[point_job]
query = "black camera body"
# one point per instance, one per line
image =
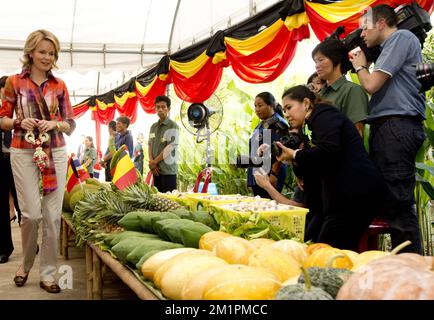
(425, 75)
(411, 17)
(292, 140)
(289, 139)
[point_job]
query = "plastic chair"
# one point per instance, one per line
(206, 174)
(369, 240)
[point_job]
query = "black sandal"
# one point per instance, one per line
(20, 280)
(50, 288)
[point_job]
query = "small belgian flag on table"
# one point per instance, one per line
(124, 173)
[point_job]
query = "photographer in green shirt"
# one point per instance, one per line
(331, 61)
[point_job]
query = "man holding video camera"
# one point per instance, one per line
(396, 112)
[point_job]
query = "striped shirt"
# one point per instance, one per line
(23, 97)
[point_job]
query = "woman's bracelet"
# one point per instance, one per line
(17, 124)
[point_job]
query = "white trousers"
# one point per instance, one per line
(34, 209)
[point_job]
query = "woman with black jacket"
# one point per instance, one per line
(352, 189)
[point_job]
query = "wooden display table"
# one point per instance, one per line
(96, 260)
(67, 235)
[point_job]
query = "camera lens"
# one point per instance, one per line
(425, 75)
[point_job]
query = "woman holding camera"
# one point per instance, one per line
(352, 188)
(267, 131)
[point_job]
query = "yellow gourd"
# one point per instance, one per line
(294, 248)
(151, 265)
(325, 256)
(280, 263)
(352, 255)
(176, 259)
(368, 256)
(242, 283)
(209, 240)
(193, 289)
(365, 257)
(180, 273)
(260, 242)
(234, 250)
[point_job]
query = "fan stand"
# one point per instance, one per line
(207, 172)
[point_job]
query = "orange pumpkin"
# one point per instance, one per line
(406, 276)
(328, 257)
(315, 246)
(413, 260)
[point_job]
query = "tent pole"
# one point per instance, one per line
(252, 8)
(98, 139)
(173, 26)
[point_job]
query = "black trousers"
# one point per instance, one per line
(6, 245)
(165, 183)
(108, 176)
(394, 144)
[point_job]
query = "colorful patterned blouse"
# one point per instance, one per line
(23, 98)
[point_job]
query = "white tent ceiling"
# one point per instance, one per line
(107, 41)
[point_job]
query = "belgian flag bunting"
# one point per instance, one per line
(125, 173)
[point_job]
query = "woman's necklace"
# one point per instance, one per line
(39, 157)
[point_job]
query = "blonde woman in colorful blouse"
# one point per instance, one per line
(36, 105)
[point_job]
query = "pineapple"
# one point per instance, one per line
(142, 196)
(138, 196)
(163, 204)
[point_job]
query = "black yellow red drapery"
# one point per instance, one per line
(255, 54)
(258, 50)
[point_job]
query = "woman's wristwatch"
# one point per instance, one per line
(359, 68)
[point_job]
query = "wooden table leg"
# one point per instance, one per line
(97, 279)
(65, 240)
(89, 272)
(61, 237)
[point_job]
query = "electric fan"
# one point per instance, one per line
(202, 119)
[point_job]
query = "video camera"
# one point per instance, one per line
(409, 16)
(291, 140)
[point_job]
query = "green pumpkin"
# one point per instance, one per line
(304, 291)
(298, 292)
(328, 279)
